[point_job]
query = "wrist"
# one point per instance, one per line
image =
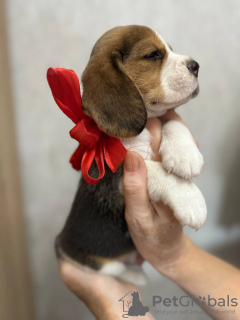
(174, 267)
(103, 307)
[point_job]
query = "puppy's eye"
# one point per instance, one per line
(155, 55)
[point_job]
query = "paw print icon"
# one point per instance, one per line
(201, 301)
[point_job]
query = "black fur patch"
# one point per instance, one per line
(96, 225)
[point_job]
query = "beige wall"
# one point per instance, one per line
(15, 285)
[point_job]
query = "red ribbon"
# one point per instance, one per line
(94, 144)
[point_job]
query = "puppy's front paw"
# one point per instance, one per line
(189, 205)
(180, 154)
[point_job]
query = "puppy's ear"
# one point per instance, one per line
(111, 98)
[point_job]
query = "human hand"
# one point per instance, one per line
(100, 293)
(156, 233)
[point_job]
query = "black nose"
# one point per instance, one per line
(193, 67)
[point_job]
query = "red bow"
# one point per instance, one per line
(94, 143)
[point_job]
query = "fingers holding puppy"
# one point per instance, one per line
(155, 232)
(154, 126)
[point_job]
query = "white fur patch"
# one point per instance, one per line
(140, 144)
(134, 274)
(183, 196)
(180, 154)
(176, 81)
(114, 268)
(131, 273)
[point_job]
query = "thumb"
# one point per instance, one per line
(135, 187)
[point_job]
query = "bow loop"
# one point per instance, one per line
(95, 145)
(66, 92)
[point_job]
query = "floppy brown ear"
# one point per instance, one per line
(111, 98)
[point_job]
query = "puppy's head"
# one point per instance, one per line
(133, 74)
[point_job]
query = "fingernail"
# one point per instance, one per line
(131, 162)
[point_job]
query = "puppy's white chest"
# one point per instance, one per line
(141, 144)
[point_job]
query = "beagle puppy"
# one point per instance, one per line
(132, 75)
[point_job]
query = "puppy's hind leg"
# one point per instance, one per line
(124, 268)
(128, 271)
(134, 274)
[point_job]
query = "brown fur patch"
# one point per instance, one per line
(146, 73)
(118, 81)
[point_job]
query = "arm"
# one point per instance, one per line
(160, 240)
(100, 293)
(201, 274)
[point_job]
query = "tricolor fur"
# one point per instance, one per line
(132, 75)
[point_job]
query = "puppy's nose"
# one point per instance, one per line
(193, 67)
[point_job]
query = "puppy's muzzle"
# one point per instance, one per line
(193, 67)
